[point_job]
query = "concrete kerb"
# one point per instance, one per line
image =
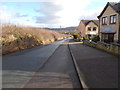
(82, 81)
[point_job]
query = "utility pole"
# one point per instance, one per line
(60, 26)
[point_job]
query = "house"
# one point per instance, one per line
(88, 28)
(109, 23)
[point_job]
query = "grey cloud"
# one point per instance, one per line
(18, 15)
(47, 19)
(48, 10)
(89, 17)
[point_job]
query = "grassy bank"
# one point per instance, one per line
(16, 38)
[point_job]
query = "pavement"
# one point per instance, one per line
(97, 69)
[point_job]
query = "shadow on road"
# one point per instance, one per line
(25, 69)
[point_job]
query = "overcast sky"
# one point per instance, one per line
(50, 13)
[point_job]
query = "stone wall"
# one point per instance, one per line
(112, 48)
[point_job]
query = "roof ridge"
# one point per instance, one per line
(87, 21)
(114, 5)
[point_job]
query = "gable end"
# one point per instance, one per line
(108, 4)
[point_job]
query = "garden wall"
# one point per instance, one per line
(112, 48)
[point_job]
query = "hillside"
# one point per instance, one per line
(66, 28)
(17, 38)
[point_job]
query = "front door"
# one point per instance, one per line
(110, 37)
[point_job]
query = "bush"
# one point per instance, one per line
(15, 38)
(89, 38)
(96, 39)
(75, 35)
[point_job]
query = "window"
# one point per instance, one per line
(94, 28)
(112, 19)
(104, 20)
(89, 28)
(107, 38)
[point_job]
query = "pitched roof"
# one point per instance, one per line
(88, 21)
(114, 5)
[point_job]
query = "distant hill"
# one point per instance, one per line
(66, 28)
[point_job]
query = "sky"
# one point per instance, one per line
(50, 13)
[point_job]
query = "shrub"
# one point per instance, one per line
(14, 37)
(96, 39)
(75, 35)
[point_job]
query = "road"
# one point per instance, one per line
(48, 66)
(97, 68)
(53, 66)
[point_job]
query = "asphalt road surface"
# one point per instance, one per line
(52, 66)
(48, 66)
(97, 68)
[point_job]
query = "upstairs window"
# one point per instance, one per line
(89, 28)
(104, 20)
(94, 28)
(112, 19)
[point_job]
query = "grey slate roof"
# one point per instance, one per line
(114, 5)
(108, 30)
(87, 21)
